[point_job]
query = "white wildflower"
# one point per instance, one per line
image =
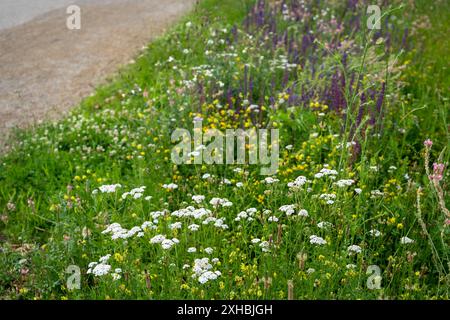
(406, 240)
(317, 240)
(289, 209)
(170, 186)
(303, 213)
(109, 188)
(198, 198)
(353, 249)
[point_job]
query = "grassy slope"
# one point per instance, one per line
(35, 171)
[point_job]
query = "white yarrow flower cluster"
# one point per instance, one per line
(226, 181)
(325, 172)
(271, 180)
(170, 186)
(303, 213)
(324, 225)
(107, 188)
(217, 222)
(100, 268)
(175, 225)
(190, 211)
(193, 227)
(317, 240)
(198, 198)
(265, 246)
(117, 232)
(289, 209)
(116, 275)
(246, 215)
(136, 193)
(354, 249)
(166, 244)
(406, 240)
(298, 182)
(344, 183)
(329, 198)
(203, 270)
(223, 202)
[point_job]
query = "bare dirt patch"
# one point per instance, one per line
(45, 68)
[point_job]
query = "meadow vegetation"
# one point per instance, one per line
(357, 209)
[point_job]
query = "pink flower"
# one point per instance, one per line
(438, 172)
(24, 271)
(428, 143)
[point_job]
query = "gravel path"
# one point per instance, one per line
(46, 68)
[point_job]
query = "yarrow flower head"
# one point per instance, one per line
(344, 183)
(100, 269)
(166, 244)
(271, 180)
(136, 193)
(265, 246)
(298, 182)
(317, 240)
(328, 197)
(303, 213)
(324, 224)
(170, 186)
(246, 215)
(220, 202)
(406, 240)
(198, 198)
(157, 239)
(108, 188)
(354, 249)
(289, 209)
(202, 270)
(117, 232)
(325, 172)
(193, 227)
